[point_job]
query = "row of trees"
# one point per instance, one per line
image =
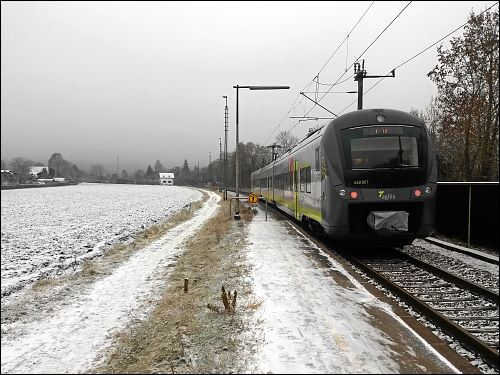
(252, 157)
(57, 166)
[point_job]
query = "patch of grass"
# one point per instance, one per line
(43, 283)
(192, 332)
(254, 305)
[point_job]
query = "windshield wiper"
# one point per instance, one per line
(400, 153)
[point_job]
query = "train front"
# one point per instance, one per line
(380, 178)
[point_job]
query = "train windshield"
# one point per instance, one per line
(373, 147)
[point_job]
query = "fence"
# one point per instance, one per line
(468, 211)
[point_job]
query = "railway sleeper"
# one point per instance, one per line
(474, 318)
(463, 299)
(470, 308)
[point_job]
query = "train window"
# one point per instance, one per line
(382, 147)
(305, 179)
(316, 159)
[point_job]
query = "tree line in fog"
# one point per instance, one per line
(252, 157)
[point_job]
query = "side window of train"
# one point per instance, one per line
(302, 179)
(316, 159)
(308, 179)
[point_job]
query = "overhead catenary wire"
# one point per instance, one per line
(372, 43)
(418, 54)
(323, 67)
(366, 49)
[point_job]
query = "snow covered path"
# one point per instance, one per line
(312, 323)
(69, 341)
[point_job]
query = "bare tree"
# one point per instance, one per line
(468, 100)
(286, 140)
(21, 166)
(97, 171)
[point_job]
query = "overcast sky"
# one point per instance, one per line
(143, 81)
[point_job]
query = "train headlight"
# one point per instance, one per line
(428, 190)
(342, 192)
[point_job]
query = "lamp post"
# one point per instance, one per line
(237, 87)
(226, 119)
(273, 158)
(220, 164)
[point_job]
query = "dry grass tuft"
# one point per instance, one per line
(247, 213)
(254, 305)
(43, 283)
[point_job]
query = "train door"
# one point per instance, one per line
(296, 188)
(273, 183)
(324, 182)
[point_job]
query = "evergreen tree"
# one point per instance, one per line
(150, 174)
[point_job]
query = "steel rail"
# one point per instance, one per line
(466, 284)
(488, 353)
(470, 341)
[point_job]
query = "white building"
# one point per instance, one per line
(34, 171)
(166, 178)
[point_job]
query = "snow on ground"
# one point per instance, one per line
(46, 231)
(474, 262)
(311, 324)
(70, 340)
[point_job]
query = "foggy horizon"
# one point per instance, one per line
(144, 81)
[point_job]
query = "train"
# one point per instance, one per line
(367, 177)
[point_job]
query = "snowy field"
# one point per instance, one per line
(50, 230)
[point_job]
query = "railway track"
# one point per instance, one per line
(467, 312)
(462, 309)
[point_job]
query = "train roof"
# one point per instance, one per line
(365, 117)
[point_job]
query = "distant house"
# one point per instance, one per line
(166, 178)
(37, 171)
(9, 177)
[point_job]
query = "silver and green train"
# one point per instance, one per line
(369, 176)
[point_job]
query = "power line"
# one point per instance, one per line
(418, 54)
(346, 38)
(371, 44)
(333, 84)
(366, 49)
(307, 86)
